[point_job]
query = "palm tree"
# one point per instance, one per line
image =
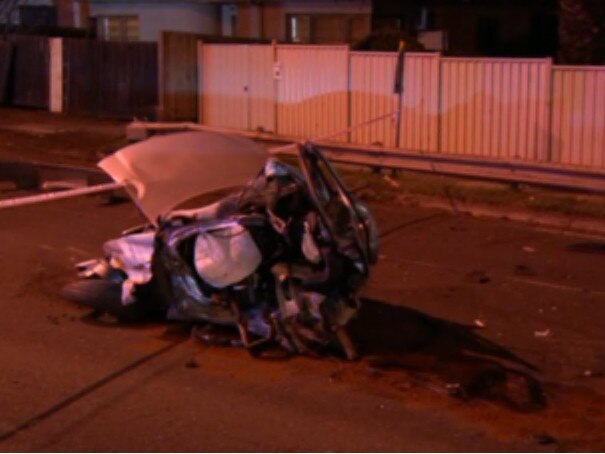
(582, 31)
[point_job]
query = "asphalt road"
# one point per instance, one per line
(428, 380)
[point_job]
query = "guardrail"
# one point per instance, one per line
(566, 177)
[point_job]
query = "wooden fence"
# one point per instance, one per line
(24, 71)
(178, 75)
(6, 58)
(110, 79)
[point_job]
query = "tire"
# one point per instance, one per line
(102, 295)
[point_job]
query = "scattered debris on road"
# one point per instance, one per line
(478, 277)
(524, 270)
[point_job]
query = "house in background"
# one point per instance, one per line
(297, 21)
(41, 14)
(474, 27)
(306, 21)
(143, 20)
(294, 21)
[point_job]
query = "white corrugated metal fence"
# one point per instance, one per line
(496, 108)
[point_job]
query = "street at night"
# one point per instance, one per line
(302, 226)
(74, 383)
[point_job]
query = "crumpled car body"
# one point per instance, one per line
(281, 258)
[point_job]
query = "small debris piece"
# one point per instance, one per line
(373, 372)
(479, 323)
(391, 182)
(404, 386)
(192, 364)
(544, 438)
(455, 390)
(544, 333)
(588, 373)
(529, 249)
(336, 376)
(478, 277)
(524, 270)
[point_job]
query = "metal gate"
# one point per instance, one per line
(237, 88)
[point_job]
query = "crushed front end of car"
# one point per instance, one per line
(282, 260)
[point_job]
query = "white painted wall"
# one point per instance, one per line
(155, 17)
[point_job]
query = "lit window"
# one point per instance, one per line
(118, 28)
(299, 28)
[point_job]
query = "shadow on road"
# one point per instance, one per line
(444, 354)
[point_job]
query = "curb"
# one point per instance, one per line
(562, 223)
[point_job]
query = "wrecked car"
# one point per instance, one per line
(280, 258)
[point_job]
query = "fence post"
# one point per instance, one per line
(200, 87)
(55, 92)
(439, 100)
(398, 88)
(161, 108)
(276, 78)
(549, 95)
(349, 97)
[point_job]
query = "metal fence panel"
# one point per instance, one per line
(223, 81)
(578, 116)
(178, 78)
(420, 108)
(236, 86)
(261, 88)
(371, 82)
(510, 109)
(495, 107)
(312, 91)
